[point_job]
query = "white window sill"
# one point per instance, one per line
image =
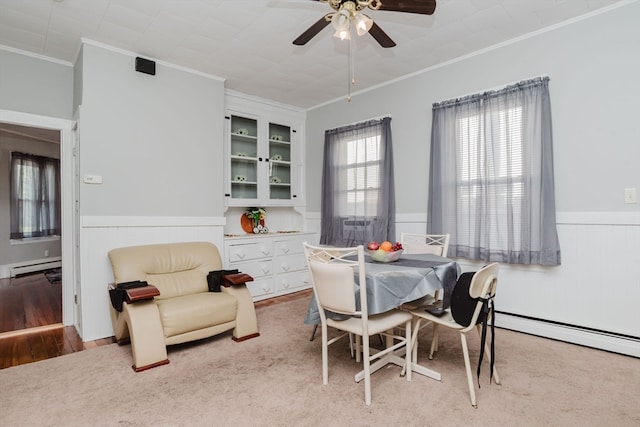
(29, 240)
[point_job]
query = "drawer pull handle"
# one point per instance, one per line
(265, 251)
(241, 254)
(285, 250)
(285, 267)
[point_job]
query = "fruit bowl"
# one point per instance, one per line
(385, 256)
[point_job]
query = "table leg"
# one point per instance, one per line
(398, 358)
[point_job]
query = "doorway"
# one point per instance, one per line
(27, 298)
(65, 131)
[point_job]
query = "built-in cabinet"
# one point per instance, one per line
(275, 261)
(264, 155)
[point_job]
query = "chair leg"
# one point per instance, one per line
(409, 353)
(367, 370)
(325, 355)
(414, 340)
(313, 333)
(467, 365)
(352, 348)
(434, 341)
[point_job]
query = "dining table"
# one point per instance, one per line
(389, 285)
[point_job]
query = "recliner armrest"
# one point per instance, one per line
(235, 279)
(140, 294)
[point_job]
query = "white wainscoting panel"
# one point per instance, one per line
(98, 235)
(591, 299)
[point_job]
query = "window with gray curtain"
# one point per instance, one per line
(491, 175)
(35, 196)
(358, 198)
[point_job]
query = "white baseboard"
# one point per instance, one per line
(600, 340)
(11, 270)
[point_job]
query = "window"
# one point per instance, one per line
(359, 167)
(491, 176)
(358, 203)
(501, 179)
(35, 196)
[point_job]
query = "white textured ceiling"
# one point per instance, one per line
(249, 42)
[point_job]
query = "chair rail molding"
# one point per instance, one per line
(599, 250)
(100, 234)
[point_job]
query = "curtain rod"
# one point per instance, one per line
(362, 121)
(542, 76)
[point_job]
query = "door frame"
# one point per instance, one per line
(67, 200)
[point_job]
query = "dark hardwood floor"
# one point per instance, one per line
(30, 304)
(29, 301)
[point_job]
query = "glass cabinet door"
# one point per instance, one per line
(279, 162)
(244, 158)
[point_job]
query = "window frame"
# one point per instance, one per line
(43, 200)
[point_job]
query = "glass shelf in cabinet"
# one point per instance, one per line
(247, 159)
(242, 137)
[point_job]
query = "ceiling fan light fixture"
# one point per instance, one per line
(343, 34)
(340, 20)
(363, 24)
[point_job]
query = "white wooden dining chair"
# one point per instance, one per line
(415, 243)
(483, 285)
(437, 244)
(332, 272)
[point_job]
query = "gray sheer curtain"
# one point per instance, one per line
(35, 196)
(491, 177)
(358, 196)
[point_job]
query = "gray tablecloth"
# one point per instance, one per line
(392, 284)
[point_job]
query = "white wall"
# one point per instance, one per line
(593, 65)
(30, 84)
(156, 141)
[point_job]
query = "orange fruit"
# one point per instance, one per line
(386, 246)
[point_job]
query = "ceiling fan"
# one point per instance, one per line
(349, 12)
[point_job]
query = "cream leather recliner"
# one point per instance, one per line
(185, 310)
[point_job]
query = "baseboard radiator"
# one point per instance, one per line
(35, 265)
(603, 340)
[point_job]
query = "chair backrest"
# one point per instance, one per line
(174, 268)
(437, 244)
(332, 273)
(483, 285)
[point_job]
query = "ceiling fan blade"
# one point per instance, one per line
(311, 32)
(380, 36)
(424, 7)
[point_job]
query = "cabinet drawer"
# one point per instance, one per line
(290, 246)
(255, 269)
(261, 288)
(289, 263)
(248, 251)
(289, 281)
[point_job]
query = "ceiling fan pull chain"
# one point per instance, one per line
(350, 78)
(352, 64)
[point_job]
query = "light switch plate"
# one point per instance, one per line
(92, 179)
(630, 196)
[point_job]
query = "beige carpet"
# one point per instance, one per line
(275, 380)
